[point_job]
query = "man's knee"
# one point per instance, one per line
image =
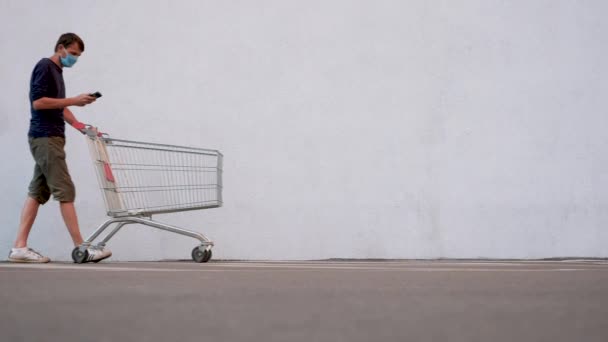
(66, 193)
(41, 195)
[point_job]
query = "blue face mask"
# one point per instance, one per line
(68, 60)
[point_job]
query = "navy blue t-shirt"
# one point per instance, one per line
(46, 81)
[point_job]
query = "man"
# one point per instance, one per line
(49, 109)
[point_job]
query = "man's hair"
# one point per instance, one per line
(68, 39)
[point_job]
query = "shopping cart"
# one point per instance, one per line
(139, 179)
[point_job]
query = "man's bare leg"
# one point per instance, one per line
(68, 211)
(71, 221)
(28, 216)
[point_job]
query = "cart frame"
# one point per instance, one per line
(128, 204)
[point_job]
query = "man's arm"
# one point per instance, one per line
(69, 117)
(51, 103)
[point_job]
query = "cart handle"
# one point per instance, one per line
(92, 132)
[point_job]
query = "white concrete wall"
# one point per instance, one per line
(351, 129)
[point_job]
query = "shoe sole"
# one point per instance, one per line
(98, 260)
(22, 261)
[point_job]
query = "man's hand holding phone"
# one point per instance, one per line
(83, 100)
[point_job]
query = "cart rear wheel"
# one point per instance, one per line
(79, 256)
(201, 254)
(208, 255)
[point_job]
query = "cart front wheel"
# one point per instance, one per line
(201, 254)
(79, 256)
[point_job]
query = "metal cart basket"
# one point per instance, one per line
(140, 179)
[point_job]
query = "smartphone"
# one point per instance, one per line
(96, 94)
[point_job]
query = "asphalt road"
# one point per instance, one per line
(306, 301)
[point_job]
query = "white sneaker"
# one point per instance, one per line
(26, 254)
(96, 254)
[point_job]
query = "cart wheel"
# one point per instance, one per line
(201, 255)
(79, 256)
(207, 255)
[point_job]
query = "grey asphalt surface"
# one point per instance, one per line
(306, 301)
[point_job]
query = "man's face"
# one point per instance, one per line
(72, 49)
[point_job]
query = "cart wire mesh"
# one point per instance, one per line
(142, 179)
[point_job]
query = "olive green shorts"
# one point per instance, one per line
(51, 174)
